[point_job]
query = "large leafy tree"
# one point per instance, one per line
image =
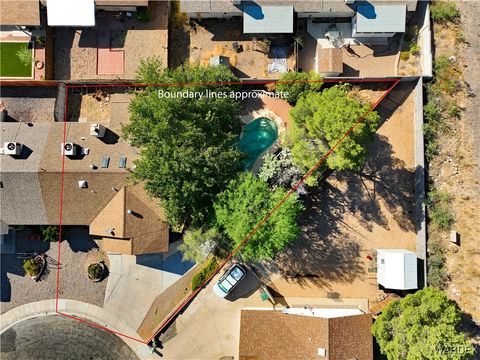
(244, 204)
(422, 326)
(320, 119)
(298, 83)
(187, 145)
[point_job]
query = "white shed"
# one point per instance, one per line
(397, 269)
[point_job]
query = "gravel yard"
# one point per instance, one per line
(29, 105)
(77, 251)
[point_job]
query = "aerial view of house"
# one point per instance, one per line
(233, 179)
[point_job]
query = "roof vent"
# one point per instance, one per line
(130, 212)
(68, 149)
(82, 184)
(12, 148)
(97, 130)
(322, 352)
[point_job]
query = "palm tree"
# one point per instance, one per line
(297, 42)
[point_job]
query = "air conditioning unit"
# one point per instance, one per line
(349, 2)
(97, 130)
(12, 148)
(68, 149)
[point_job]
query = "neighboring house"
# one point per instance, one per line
(93, 191)
(19, 13)
(311, 333)
(374, 19)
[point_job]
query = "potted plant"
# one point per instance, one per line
(35, 266)
(96, 271)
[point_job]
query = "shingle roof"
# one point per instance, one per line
(273, 335)
(145, 227)
(318, 6)
(32, 184)
(20, 12)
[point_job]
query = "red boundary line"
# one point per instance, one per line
(395, 81)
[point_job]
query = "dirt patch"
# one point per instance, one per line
(456, 168)
(89, 108)
(352, 215)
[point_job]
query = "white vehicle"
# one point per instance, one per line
(229, 280)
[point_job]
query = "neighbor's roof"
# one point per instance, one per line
(145, 227)
(273, 335)
(330, 60)
(325, 7)
(20, 12)
(267, 19)
(71, 12)
(380, 18)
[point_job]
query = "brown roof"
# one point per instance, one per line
(145, 226)
(330, 60)
(19, 12)
(272, 335)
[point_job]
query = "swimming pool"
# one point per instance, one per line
(257, 137)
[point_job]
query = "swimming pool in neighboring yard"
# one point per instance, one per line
(257, 136)
(10, 64)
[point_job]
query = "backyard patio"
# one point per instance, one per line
(114, 48)
(249, 56)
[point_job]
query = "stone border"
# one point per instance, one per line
(80, 309)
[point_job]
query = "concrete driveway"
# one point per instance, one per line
(135, 281)
(210, 327)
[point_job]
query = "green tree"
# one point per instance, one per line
(297, 83)
(244, 204)
(198, 244)
(320, 120)
(188, 152)
(51, 233)
(422, 326)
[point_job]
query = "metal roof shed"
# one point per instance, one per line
(380, 18)
(267, 19)
(397, 269)
(71, 12)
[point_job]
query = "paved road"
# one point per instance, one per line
(57, 338)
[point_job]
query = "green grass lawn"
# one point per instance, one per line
(10, 65)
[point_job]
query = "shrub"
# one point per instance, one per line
(444, 11)
(94, 271)
(297, 83)
(51, 233)
(31, 267)
(204, 274)
(144, 14)
(411, 33)
(414, 49)
(198, 244)
(454, 110)
(405, 55)
(438, 205)
(25, 55)
(437, 274)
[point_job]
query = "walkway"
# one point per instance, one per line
(135, 281)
